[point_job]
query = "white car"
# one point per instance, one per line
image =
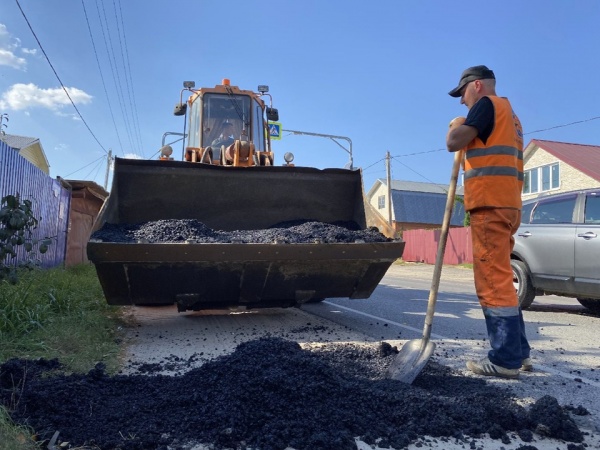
(557, 248)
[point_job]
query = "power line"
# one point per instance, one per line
(58, 78)
(412, 170)
(102, 158)
(443, 149)
(102, 76)
(115, 71)
(565, 125)
(128, 79)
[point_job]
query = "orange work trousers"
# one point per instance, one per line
(492, 231)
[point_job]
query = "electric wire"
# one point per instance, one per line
(102, 78)
(443, 149)
(127, 76)
(102, 158)
(114, 70)
(58, 78)
(95, 170)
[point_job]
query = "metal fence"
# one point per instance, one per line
(50, 202)
(421, 246)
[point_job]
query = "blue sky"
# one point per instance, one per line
(377, 72)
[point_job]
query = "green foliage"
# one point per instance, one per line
(55, 313)
(58, 313)
(17, 224)
(14, 437)
(467, 219)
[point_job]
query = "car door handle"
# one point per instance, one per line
(525, 234)
(588, 235)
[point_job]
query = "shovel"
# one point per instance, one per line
(413, 356)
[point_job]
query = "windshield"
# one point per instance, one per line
(222, 118)
(228, 115)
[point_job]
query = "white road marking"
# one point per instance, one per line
(437, 336)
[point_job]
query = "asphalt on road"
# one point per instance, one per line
(328, 380)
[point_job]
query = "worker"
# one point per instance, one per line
(491, 137)
(226, 136)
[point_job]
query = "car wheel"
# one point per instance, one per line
(593, 304)
(522, 283)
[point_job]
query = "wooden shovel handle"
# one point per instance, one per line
(439, 259)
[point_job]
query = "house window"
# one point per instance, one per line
(381, 202)
(541, 179)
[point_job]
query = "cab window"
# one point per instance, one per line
(553, 211)
(592, 208)
(225, 108)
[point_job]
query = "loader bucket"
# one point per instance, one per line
(215, 275)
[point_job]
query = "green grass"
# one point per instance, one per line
(14, 437)
(57, 313)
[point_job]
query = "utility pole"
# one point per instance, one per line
(108, 163)
(388, 166)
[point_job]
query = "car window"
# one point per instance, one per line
(526, 212)
(592, 208)
(554, 211)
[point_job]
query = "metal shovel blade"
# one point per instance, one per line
(410, 360)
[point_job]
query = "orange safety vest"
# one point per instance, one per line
(494, 170)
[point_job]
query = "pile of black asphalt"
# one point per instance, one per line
(271, 394)
(191, 230)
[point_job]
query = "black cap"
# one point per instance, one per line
(471, 74)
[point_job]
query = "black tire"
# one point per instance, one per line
(593, 304)
(522, 282)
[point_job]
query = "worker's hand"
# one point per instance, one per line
(456, 122)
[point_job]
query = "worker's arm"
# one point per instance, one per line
(459, 135)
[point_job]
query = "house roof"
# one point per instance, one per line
(19, 142)
(91, 186)
(585, 158)
(424, 208)
(414, 186)
(29, 148)
(422, 203)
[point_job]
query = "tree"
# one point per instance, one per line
(17, 224)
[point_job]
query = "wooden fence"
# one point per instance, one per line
(50, 202)
(421, 246)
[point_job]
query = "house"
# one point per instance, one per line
(30, 149)
(551, 166)
(415, 205)
(87, 198)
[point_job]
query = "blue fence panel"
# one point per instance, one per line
(50, 202)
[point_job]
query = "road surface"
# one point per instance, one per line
(566, 351)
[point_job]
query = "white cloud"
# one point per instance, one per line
(8, 47)
(25, 96)
(7, 58)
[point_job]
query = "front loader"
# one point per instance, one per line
(231, 182)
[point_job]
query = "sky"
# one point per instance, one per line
(376, 72)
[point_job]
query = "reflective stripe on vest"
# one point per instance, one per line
(494, 170)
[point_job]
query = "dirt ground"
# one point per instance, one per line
(272, 394)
